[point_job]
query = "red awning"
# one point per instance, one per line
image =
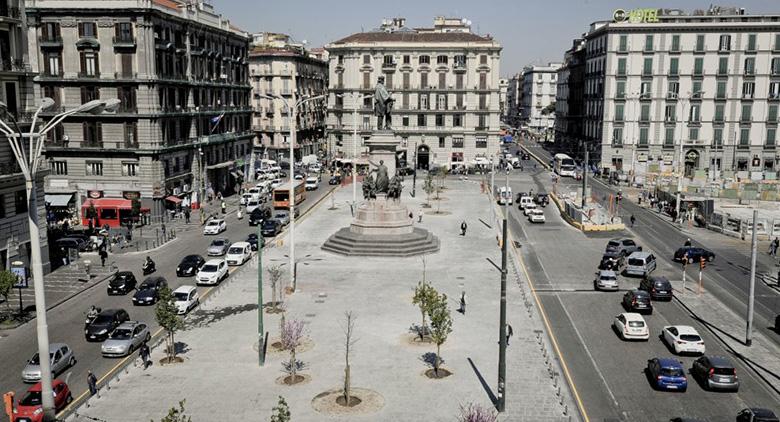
(173, 199)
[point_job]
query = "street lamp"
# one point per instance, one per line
(695, 94)
(356, 97)
(292, 116)
(29, 159)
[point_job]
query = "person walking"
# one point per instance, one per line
(187, 215)
(687, 242)
(509, 333)
(145, 354)
(103, 257)
(419, 216)
(463, 228)
(633, 220)
(92, 383)
(463, 302)
(224, 207)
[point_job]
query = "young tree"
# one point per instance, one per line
(176, 415)
(281, 411)
(476, 413)
(292, 337)
(275, 273)
(7, 281)
(136, 208)
(167, 316)
(424, 296)
(441, 325)
(349, 341)
(428, 187)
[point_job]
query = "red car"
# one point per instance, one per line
(29, 408)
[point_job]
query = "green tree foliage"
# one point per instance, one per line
(7, 280)
(168, 318)
(281, 411)
(424, 297)
(176, 415)
(441, 325)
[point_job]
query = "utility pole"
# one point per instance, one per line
(585, 179)
(752, 297)
(260, 328)
(502, 316)
(414, 171)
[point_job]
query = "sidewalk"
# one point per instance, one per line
(220, 378)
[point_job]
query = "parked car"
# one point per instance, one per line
(212, 272)
(659, 287)
(60, 358)
(71, 243)
(185, 298)
(623, 246)
(640, 264)
(271, 227)
(104, 324)
(666, 374)
(215, 226)
(631, 326)
(334, 180)
(606, 280)
(614, 261)
(694, 254)
(219, 246)
(716, 373)
(258, 215)
(149, 291)
(29, 408)
(536, 216)
(282, 217)
(755, 414)
(312, 183)
(126, 339)
(122, 283)
(189, 265)
(525, 156)
(683, 339)
(255, 241)
(637, 301)
(238, 253)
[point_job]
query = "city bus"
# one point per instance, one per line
(282, 194)
(564, 165)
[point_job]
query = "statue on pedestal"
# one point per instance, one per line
(383, 103)
(395, 188)
(381, 183)
(369, 191)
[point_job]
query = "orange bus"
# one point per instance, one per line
(282, 194)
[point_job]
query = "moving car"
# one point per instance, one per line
(254, 241)
(212, 272)
(71, 243)
(189, 265)
(271, 227)
(334, 180)
(185, 298)
(312, 183)
(528, 207)
(122, 283)
(524, 201)
(238, 253)
(640, 264)
(755, 414)
(149, 291)
(258, 215)
(606, 280)
(29, 408)
(614, 261)
(282, 217)
(659, 287)
(666, 374)
(60, 358)
(104, 324)
(623, 246)
(542, 199)
(683, 339)
(215, 226)
(253, 204)
(716, 373)
(637, 300)
(631, 326)
(536, 216)
(125, 339)
(218, 247)
(694, 254)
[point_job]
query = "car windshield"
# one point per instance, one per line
(218, 243)
(608, 277)
(690, 337)
(36, 360)
(212, 223)
(636, 324)
(32, 398)
(121, 334)
(180, 296)
(236, 250)
(146, 286)
(671, 372)
(209, 268)
(661, 284)
(190, 259)
(103, 319)
(253, 203)
(281, 215)
(635, 261)
(613, 244)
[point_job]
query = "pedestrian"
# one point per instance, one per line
(775, 246)
(92, 383)
(778, 278)
(463, 302)
(633, 220)
(463, 228)
(419, 216)
(411, 215)
(687, 242)
(224, 208)
(103, 256)
(187, 215)
(162, 227)
(509, 333)
(145, 355)
(239, 215)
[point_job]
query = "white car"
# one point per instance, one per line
(683, 339)
(253, 204)
(276, 183)
(606, 280)
(536, 216)
(212, 272)
(185, 298)
(238, 253)
(215, 226)
(631, 326)
(528, 207)
(312, 183)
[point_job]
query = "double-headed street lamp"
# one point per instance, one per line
(29, 159)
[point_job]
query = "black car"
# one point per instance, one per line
(253, 240)
(334, 180)
(149, 291)
(637, 301)
(694, 254)
(271, 227)
(659, 287)
(542, 199)
(612, 261)
(258, 215)
(102, 326)
(189, 266)
(122, 283)
(525, 156)
(755, 414)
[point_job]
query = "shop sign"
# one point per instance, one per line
(131, 195)
(641, 157)
(668, 158)
(157, 190)
(636, 16)
(94, 194)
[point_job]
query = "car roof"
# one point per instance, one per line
(153, 279)
(184, 289)
(53, 347)
(638, 292)
(639, 254)
(188, 257)
(214, 262)
(124, 273)
(633, 316)
(720, 361)
(129, 324)
(607, 272)
(684, 329)
(659, 279)
(670, 363)
(311, 179)
(216, 220)
(109, 311)
(240, 244)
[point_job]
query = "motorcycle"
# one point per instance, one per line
(148, 267)
(91, 316)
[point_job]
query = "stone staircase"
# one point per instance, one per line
(418, 242)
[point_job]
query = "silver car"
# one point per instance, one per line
(605, 280)
(61, 358)
(125, 339)
(219, 246)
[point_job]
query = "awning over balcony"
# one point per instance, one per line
(173, 199)
(58, 199)
(220, 165)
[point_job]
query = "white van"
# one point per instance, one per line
(524, 202)
(640, 264)
(185, 298)
(254, 202)
(505, 195)
(238, 253)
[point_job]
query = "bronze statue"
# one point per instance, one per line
(394, 191)
(368, 188)
(381, 183)
(383, 103)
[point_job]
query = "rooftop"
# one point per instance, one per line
(413, 37)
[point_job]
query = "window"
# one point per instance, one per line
(89, 64)
(124, 31)
(777, 42)
(750, 66)
(623, 44)
(94, 168)
(129, 169)
(693, 134)
(59, 168)
(483, 59)
(775, 69)
(619, 112)
(645, 113)
(481, 142)
(126, 94)
(87, 30)
(420, 120)
(645, 90)
(405, 121)
(674, 89)
(725, 43)
(648, 43)
(675, 43)
(744, 136)
(439, 120)
(721, 90)
(774, 90)
(20, 201)
(670, 115)
(457, 120)
(52, 92)
(441, 59)
(674, 66)
(406, 81)
(771, 134)
(423, 80)
(442, 142)
(423, 102)
(50, 31)
(698, 66)
(442, 80)
(621, 67)
(407, 59)
(643, 136)
(89, 93)
(772, 114)
(647, 68)
(617, 136)
(748, 89)
(699, 43)
(127, 65)
(93, 134)
(719, 112)
(717, 137)
(388, 60)
(457, 142)
(131, 134)
(460, 61)
(723, 65)
(669, 136)
(366, 80)
(696, 92)
(694, 115)
(742, 164)
(425, 59)
(2, 206)
(751, 44)
(620, 92)
(483, 81)
(366, 59)
(52, 63)
(747, 111)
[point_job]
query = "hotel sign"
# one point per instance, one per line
(636, 16)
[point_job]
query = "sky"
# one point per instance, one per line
(530, 31)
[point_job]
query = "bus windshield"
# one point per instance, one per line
(281, 195)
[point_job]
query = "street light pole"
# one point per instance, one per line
(501, 404)
(354, 149)
(680, 156)
(752, 297)
(260, 328)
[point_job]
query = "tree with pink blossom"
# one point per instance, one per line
(476, 413)
(292, 338)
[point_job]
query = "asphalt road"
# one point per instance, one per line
(66, 322)
(608, 372)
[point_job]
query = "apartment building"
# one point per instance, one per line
(287, 71)
(445, 83)
(513, 103)
(539, 90)
(570, 100)
(181, 72)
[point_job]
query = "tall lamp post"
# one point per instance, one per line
(292, 116)
(29, 159)
(355, 105)
(696, 94)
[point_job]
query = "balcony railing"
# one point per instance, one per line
(10, 12)
(9, 167)
(50, 41)
(124, 41)
(92, 144)
(92, 75)
(14, 65)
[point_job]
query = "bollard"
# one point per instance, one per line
(558, 392)
(154, 244)
(147, 245)
(555, 382)
(566, 410)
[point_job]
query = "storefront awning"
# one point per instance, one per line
(174, 199)
(220, 165)
(59, 199)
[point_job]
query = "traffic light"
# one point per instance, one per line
(702, 263)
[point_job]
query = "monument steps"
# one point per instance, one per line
(419, 242)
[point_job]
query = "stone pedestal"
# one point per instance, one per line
(381, 216)
(382, 146)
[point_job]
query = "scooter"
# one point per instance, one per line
(148, 267)
(91, 318)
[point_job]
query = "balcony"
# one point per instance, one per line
(124, 41)
(389, 66)
(89, 75)
(10, 12)
(9, 167)
(50, 41)
(14, 65)
(120, 75)
(460, 67)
